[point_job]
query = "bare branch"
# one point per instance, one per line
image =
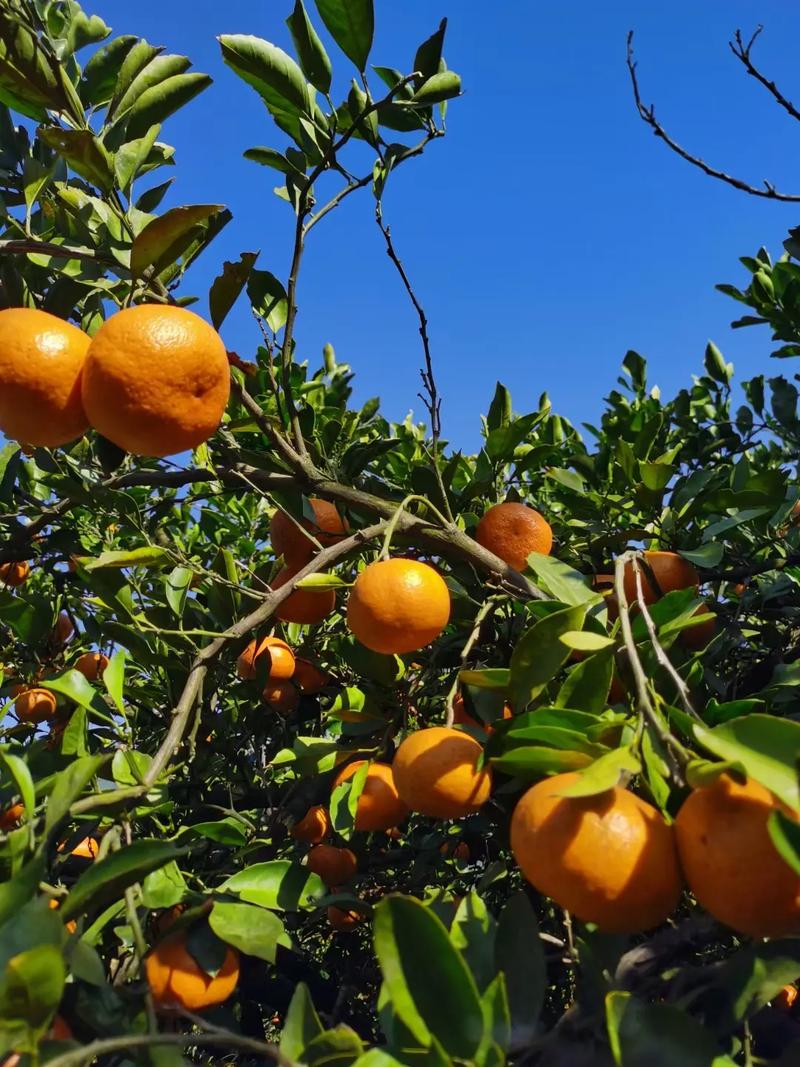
(742, 53)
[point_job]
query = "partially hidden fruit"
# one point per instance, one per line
(15, 573)
(398, 605)
(305, 606)
(35, 705)
(698, 636)
(463, 718)
(282, 697)
(457, 851)
(379, 806)
(344, 921)
(91, 665)
(156, 380)
(86, 849)
(64, 630)
(610, 858)
(670, 572)
(311, 678)
(70, 926)
(177, 980)
(786, 998)
(289, 541)
(314, 827)
(731, 865)
(41, 363)
(281, 659)
(512, 531)
(436, 773)
(333, 865)
(11, 817)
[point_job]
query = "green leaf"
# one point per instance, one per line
(432, 991)
(160, 101)
(177, 584)
(766, 746)
(99, 77)
(250, 929)
(495, 678)
(73, 685)
(334, 1048)
(539, 654)
(227, 831)
(442, 86)
(586, 686)
(603, 774)
(560, 581)
(68, 786)
(531, 762)
(658, 1035)
(17, 891)
(473, 934)
(164, 887)
(344, 802)
(108, 878)
(268, 298)
(277, 884)
(273, 74)
(18, 769)
(785, 834)
(270, 157)
(351, 23)
(225, 288)
(428, 61)
(496, 1019)
(301, 1025)
(707, 556)
(114, 678)
(131, 157)
(164, 240)
(310, 49)
(519, 955)
(84, 152)
(137, 57)
(749, 979)
(135, 557)
(32, 984)
(31, 618)
(586, 640)
(158, 70)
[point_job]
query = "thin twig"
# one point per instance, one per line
(128, 1042)
(485, 610)
(742, 53)
(661, 655)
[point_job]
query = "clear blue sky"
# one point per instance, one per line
(549, 232)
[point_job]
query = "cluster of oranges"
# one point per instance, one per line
(154, 379)
(287, 676)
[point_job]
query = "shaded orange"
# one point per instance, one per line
(289, 541)
(64, 629)
(458, 851)
(305, 606)
(15, 573)
(670, 571)
(609, 859)
(344, 921)
(436, 773)
(42, 359)
(177, 980)
(281, 659)
(512, 531)
(35, 705)
(282, 697)
(731, 865)
(379, 806)
(310, 677)
(313, 827)
(333, 865)
(156, 380)
(697, 637)
(71, 926)
(786, 998)
(11, 817)
(86, 849)
(463, 718)
(91, 665)
(398, 605)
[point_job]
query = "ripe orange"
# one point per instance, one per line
(282, 697)
(610, 859)
(436, 774)
(35, 705)
(333, 865)
(177, 980)
(16, 573)
(156, 380)
(64, 630)
(11, 817)
(344, 921)
(398, 605)
(86, 849)
(379, 806)
(459, 851)
(306, 606)
(41, 362)
(786, 998)
(463, 718)
(732, 867)
(697, 637)
(289, 541)
(670, 571)
(309, 676)
(313, 827)
(281, 659)
(512, 531)
(91, 665)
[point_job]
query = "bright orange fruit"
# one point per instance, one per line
(512, 531)
(436, 773)
(398, 605)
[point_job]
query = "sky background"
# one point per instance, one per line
(549, 231)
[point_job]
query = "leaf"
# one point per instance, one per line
(114, 678)
(473, 934)
(785, 834)
(431, 989)
(131, 157)
(496, 678)
(177, 584)
(496, 1020)
(227, 831)
(32, 984)
(586, 640)
(17, 891)
(351, 23)
(272, 73)
(99, 77)
(108, 878)
(31, 618)
(310, 49)
(225, 288)
(586, 686)
(270, 157)
(18, 769)
(442, 86)
(658, 1035)
(268, 298)
(531, 762)
(766, 746)
(73, 685)
(749, 979)
(562, 582)
(707, 556)
(163, 888)
(164, 240)
(301, 1025)
(344, 802)
(68, 786)
(278, 884)
(84, 152)
(250, 929)
(519, 955)
(539, 654)
(603, 774)
(427, 61)
(160, 101)
(136, 557)
(152, 74)
(334, 1048)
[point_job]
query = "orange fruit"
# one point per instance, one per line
(168, 918)
(436, 774)
(342, 920)
(35, 705)
(394, 833)
(16, 573)
(86, 849)
(42, 359)
(740, 588)
(333, 865)
(64, 630)
(379, 806)
(313, 827)
(786, 998)
(670, 571)
(280, 655)
(697, 637)
(512, 531)
(610, 859)
(156, 380)
(289, 541)
(60, 1030)
(306, 606)
(731, 865)
(282, 697)
(459, 851)
(463, 718)
(71, 926)
(11, 817)
(91, 665)
(398, 605)
(177, 979)
(309, 676)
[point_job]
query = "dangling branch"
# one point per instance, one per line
(742, 53)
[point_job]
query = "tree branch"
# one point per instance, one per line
(222, 1038)
(742, 53)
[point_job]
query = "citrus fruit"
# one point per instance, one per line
(70, 926)
(64, 630)
(463, 718)
(177, 979)
(379, 806)
(281, 659)
(305, 606)
(156, 380)
(309, 676)
(11, 817)
(398, 605)
(342, 920)
(512, 531)
(436, 773)
(41, 362)
(786, 998)
(86, 849)
(670, 572)
(313, 827)
(91, 665)
(333, 865)
(289, 541)
(14, 574)
(457, 851)
(282, 697)
(610, 858)
(698, 636)
(35, 705)
(731, 865)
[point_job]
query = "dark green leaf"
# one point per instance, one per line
(268, 298)
(310, 49)
(351, 23)
(766, 746)
(539, 654)
(301, 1025)
(84, 152)
(68, 786)
(520, 957)
(225, 288)
(658, 1035)
(164, 240)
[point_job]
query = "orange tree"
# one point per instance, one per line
(323, 742)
